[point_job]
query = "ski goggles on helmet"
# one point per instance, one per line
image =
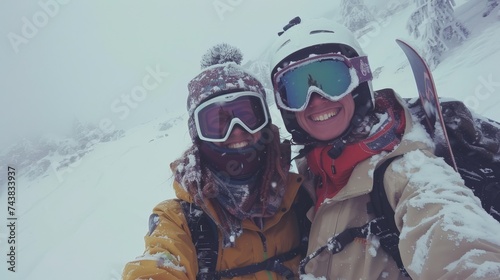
(333, 76)
(216, 117)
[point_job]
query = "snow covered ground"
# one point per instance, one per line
(86, 219)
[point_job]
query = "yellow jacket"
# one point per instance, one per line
(170, 253)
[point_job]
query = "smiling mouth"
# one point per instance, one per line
(238, 145)
(325, 116)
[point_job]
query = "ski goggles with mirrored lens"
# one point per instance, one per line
(331, 75)
(216, 117)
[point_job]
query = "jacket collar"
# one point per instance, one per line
(358, 185)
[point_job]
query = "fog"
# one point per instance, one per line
(119, 63)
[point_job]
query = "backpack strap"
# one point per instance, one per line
(379, 205)
(204, 236)
(274, 264)
(301, 206)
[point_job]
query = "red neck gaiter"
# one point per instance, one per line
(335, 173)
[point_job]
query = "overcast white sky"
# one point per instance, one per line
(89, 60)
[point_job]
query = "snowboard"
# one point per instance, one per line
(430, 102)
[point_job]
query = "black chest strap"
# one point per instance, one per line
(274, 264)
(205, 238)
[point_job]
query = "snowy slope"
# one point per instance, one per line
(78, 221)
(85, 220)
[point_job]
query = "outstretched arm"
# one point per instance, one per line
(445, 233)
(169, 253)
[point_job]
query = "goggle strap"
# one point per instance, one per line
(360, 63)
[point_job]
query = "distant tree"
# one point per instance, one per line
(260, 69)
(383, 10)
(355, 14)
(491, 4)
(434, 23)
(221, 53)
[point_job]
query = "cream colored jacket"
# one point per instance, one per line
(445, 234)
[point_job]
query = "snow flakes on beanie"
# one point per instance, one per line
(215, 80)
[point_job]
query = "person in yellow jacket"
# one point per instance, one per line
(237, 173)
(322, 83)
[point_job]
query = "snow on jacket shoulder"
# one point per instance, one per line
(170, 253)
(445, 233)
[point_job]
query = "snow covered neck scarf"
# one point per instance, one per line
(240, 198)
(228, 198)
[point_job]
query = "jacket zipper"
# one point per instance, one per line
(264, 245)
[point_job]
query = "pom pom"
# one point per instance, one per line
(221, 53)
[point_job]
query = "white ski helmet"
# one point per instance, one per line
(298, 40)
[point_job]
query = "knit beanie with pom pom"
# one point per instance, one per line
(215, 80)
